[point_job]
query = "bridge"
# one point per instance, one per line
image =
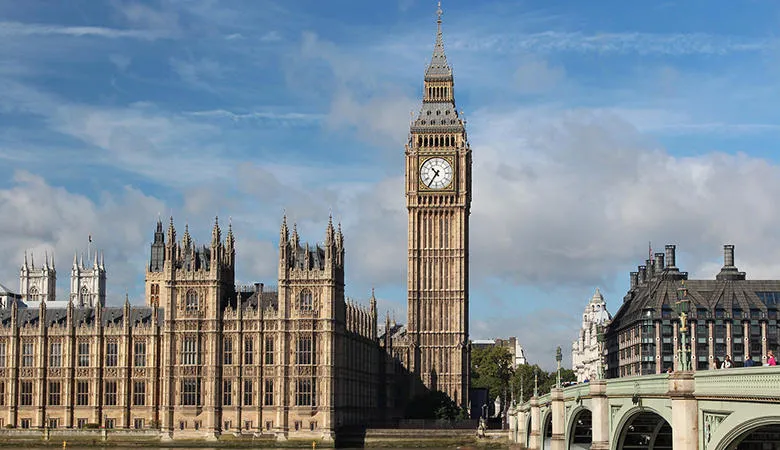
(711, 410)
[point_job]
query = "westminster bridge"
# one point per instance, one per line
(710, 410)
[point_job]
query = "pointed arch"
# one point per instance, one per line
(191, 301)
(305, 300)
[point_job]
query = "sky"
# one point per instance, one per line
(598, 129)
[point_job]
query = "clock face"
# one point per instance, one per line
(436, 173)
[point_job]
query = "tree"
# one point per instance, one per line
(433, 405)
(525, 374)
(491, 368)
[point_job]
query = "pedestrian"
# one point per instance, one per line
(726, 363)
(770, 358)
(669, 369)
(749, 361)
(715, 363)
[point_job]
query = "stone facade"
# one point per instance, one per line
(438, 200)
(587, 356)
(729, 315)
(202, 357)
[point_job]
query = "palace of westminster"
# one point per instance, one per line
(203, 358)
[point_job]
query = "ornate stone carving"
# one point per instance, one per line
(711, 422)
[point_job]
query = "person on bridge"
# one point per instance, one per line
(770, 358)
(726, 363)
(715, 363)
(749, 361)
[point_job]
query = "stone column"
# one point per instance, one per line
(521, 437)
(512, 416)
(535, 442)
(764, 348)
(600, 415)
(685, 423)
(558, 441)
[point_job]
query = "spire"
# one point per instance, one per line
(216, 233)
(438, 68)
(24, 266)
(339, 237)
(186, 240)
(295, 238)
(171, 233)
(45, 259)
(329, 233)
(102, 260)
(96, 265)
(159, 224)
(284, 233)
(32, 261)
(229, 239)
(75, 259)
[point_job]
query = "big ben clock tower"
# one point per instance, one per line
(438, 199)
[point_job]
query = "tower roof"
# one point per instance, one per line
(597, 297)
(438, 67)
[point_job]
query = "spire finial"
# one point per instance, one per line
(439, 12)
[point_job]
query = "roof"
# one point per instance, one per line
(114, 315)
(656, 299)
(438, 68)
(5, 290)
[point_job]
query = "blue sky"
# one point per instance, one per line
(596, 127)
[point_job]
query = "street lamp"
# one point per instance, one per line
(683, 305)
(600, 338)
(536, 382)
(558, 358)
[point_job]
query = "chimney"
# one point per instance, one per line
(670, 261)
(728, 255)
(257, 288)
(659, 263)
(642, 275)
(634, 279)
(649, 269)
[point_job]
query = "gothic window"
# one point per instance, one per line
(191, 301)
(227, 393)
(249, 350)
(227, 354)
(306, 303)
(269, 392)
(190, 351)
(304, 350)
(190, 392)
(155, 294)
(55, 354)
(82, 393)
(2, 393)
(54, 393)
(304, 392)
(139, 354)
(25, 393)
(139, 393)
(27, 354)
(84, 296)
(2, 354)
(110, 391)
(111, 354)
(83, 356)
(34, 294)
(247, 392)
(269, 350)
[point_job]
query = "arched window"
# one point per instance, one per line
(33, 294)
(191, 300)
(85, 297)
(306, 303)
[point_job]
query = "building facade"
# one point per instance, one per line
(438, 200)
(202, 357)
(729, 315)
(587, 353)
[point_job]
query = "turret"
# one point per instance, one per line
(295, 239)
(157, 257)
(230, 242)
(170, 249)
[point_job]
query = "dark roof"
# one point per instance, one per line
(111, 314)
(267, 299)
(660, 294)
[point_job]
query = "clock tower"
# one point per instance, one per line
(438, 199)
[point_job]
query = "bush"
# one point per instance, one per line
(432, 405)
(9, 426)
(92, 426)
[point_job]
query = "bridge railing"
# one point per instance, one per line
(760, 382)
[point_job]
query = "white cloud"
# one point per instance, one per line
(45, 218)
(535, 75)
(202, 73)
(13, 29)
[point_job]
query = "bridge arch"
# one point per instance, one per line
(731, 436)
(644, 425)
(579, 429)
(546, 429)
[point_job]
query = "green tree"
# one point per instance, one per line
(491, 368)
(524, 375)
(433, 405)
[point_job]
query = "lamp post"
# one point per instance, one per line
(600, 338)
(558, 358)
(536, 382)
(683, 306)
